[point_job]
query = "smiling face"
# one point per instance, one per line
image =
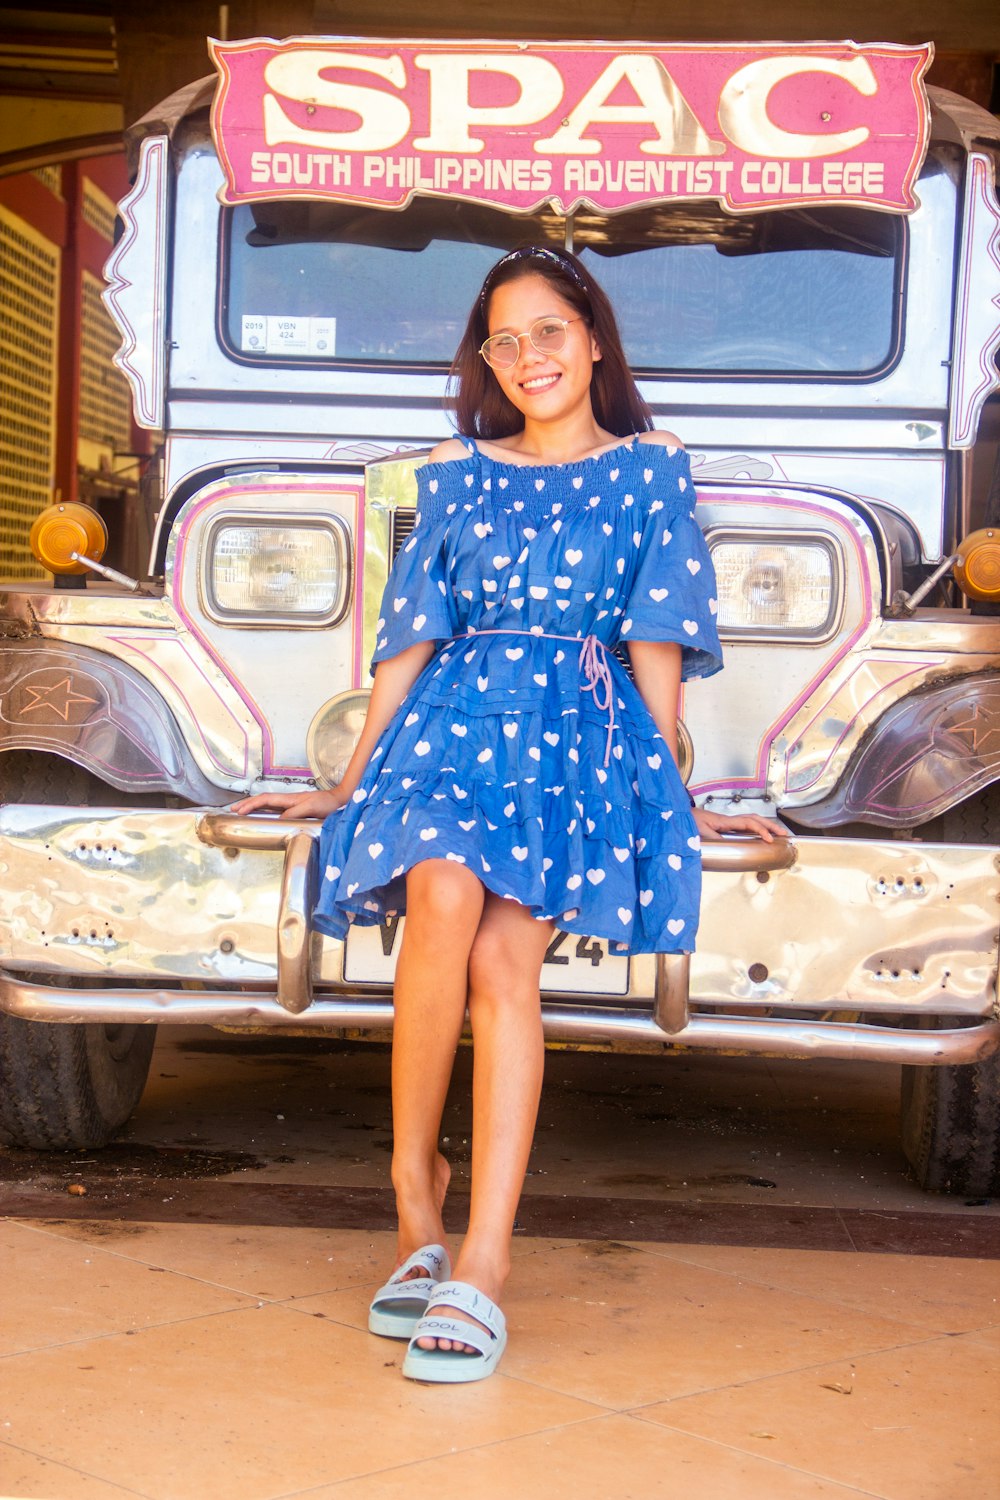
(544, 387)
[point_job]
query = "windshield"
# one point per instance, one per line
(809, 291)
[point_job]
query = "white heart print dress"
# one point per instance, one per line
(523, 750)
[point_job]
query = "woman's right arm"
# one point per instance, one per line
(394, 676)
(393, 680)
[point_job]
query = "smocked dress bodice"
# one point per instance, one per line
(607, 546)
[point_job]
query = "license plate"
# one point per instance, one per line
(580, 965)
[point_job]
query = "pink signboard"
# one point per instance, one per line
(517, 125)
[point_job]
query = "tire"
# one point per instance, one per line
(950, 1116)
(950, 1123)
(69, 1087)
(65, 1086)
(975, 821)
(51, 781)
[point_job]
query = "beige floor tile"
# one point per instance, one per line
(607, 1458)
(907, 1424)
(272, 1264)
(990, 1337)
(614, 1325)
(66, 1292)
(944, 1294)
(266, 1263)
(26, 1476)
(251, 1404)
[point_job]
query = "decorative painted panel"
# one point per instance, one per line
(136, 275)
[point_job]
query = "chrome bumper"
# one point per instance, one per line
(583, 1024)
(204, 918)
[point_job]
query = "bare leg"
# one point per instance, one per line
(505, 1010)
(444, 906)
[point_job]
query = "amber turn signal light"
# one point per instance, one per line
(977, 571)
(60, 530)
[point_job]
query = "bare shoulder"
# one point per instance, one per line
(662, 439)
(447, 451)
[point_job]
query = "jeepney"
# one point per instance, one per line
(803, 243)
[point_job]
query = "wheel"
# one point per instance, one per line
(950, 1121)
(65, 1086)
(69, 1087)
(950, 1116)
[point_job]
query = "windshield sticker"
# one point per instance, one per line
(518, 125)
(269, 334)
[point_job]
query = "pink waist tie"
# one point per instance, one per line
(593, 662)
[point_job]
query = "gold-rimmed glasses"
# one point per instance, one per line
(502, 351)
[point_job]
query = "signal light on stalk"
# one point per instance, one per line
(977, 568)
(64, 533)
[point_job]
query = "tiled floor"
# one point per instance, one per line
(147, 1351)
(170, 1361)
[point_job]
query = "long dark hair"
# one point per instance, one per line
(480, 406)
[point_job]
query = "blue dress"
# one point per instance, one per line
(523, 750)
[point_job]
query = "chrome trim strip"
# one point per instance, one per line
(671, 1011)
(298, 897)
(228, 830)
(298, 891)
(136, 276)
(735, 856)
(779, 1038)
(977, 326)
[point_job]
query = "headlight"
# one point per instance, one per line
(333, 734)
(284, 570)
(776, 585)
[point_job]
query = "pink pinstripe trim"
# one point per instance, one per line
(966, 400)
(358, 613)
(124, 640)
(913, 672)
(267, 767)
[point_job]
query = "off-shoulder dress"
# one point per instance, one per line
(523, 750)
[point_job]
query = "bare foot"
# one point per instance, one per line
(487, 1278)
(419, 1209)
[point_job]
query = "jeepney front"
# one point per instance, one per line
(805, 261)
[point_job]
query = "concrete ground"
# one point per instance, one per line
(724, 1286)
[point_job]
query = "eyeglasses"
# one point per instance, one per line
(548, 335)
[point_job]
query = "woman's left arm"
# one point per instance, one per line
(656, 667)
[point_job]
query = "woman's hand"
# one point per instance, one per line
(295, 804)
(713, 826)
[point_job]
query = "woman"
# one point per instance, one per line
(510, 778)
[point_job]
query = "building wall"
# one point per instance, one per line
(66, 431)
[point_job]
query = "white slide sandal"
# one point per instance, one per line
(398, 1306)
(455, 1366)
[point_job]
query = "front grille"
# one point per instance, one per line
(403, 521)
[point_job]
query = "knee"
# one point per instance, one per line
(442, 900)
(496, 971)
